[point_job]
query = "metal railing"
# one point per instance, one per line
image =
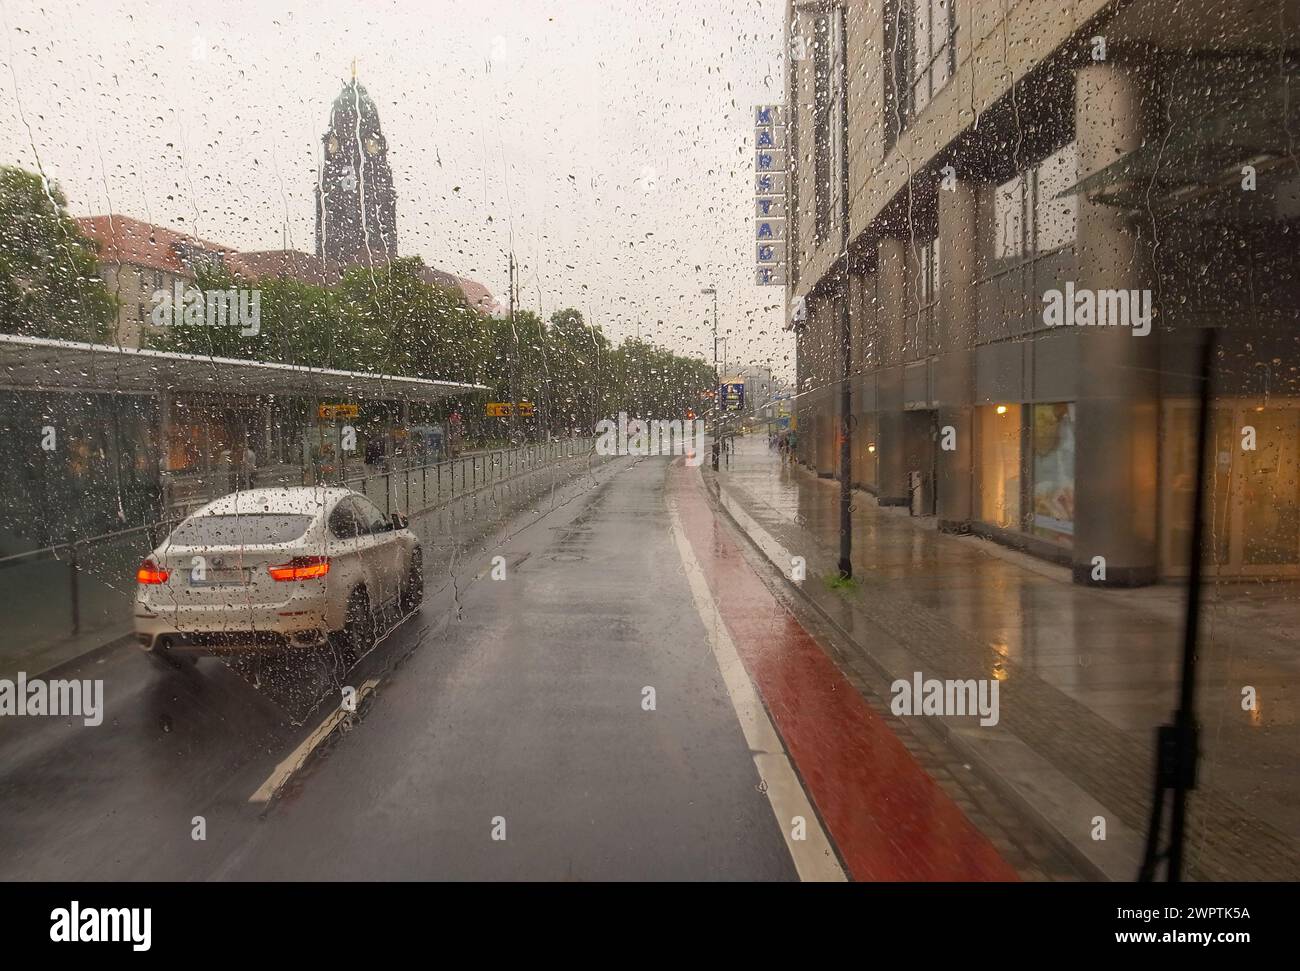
(69, 589)
(413, 490)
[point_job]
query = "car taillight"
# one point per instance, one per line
(151, 572)
(301, 568)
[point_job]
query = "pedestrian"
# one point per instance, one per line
(249, 470)
(225, 474)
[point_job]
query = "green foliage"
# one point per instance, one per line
(49, 280)
(390, 320)
(838, 581)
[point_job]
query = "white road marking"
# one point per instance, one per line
(814, 859)
(298, 756)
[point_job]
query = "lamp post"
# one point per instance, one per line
(846, 345)
(717, 397)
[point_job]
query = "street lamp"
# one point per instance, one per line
(846, 353)
(717, 397)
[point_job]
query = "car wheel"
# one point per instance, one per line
(413, 587)
(358, 634)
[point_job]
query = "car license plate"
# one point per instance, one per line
(221, 577)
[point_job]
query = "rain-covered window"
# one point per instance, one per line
(727, 441)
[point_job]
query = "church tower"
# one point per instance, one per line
(356, 206)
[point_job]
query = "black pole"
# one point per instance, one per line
(513, 424)
(717, 385)
(846, 347)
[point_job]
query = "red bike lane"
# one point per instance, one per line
(888, 818)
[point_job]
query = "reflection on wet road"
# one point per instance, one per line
(621, 697)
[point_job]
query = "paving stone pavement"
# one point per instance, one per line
(1085, 675)
(1021, 843)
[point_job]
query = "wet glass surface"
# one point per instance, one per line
(770, 430)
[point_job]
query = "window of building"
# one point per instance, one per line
(1009, 219)
(1027, 244)
(1028, 218)
(930, 272)
(998, 465)
(934, 50)
(920, 326)
(1052, 443)
(825, 127)
(920, 58)
(1056, 220)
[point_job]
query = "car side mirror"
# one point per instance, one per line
(399, 521)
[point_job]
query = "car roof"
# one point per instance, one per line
(292, 500)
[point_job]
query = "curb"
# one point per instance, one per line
(950, 734)
(94, 654)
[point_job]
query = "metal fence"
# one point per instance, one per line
(414, 490)
(76, 589)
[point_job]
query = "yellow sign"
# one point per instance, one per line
(337, 411)
(504, 409)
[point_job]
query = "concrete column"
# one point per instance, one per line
(829, 464)
(796, 404)
(861, 287)
(954, 368)
(890, 431)
(1118, 405)
(819, 380)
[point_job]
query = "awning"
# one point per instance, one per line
(38, 364)
(1201, 159)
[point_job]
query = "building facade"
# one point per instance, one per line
(1050, 204)
(137, 259)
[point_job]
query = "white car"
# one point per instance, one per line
(277, 568)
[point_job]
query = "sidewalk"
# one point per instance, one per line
(1085, 675)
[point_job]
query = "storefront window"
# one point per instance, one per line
(999, 465)
(865, 464)
(1053, 466)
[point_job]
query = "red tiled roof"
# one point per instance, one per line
(478, 296)
(287, 263)
(125, 240)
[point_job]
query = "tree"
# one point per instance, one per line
(388, 320)
(49, 278)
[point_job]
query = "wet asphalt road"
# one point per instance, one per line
(505, 707)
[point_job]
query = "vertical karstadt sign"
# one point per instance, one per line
(769, 195)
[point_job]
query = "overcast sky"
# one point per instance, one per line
(613, 139)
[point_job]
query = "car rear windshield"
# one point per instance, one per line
(244, 529)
